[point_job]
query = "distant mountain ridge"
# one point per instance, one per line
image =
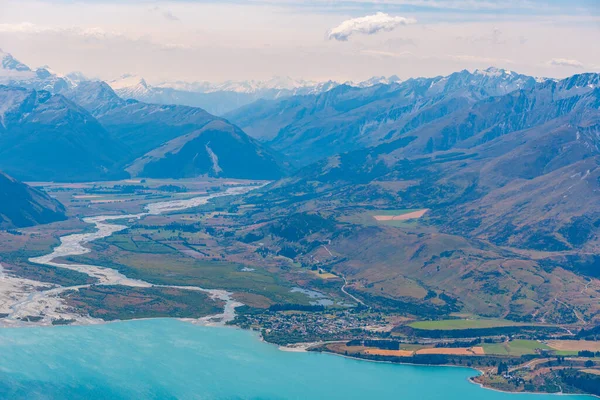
(220, 98)
(22, 205)
(307, 128)
(15, 73)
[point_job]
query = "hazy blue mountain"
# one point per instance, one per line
(308, 128)
(178, 140)
(221, 98)
(216, 149)
(216, 98)
(47, 137)
(22, 205)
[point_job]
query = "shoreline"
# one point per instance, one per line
(302, 348)
(470, 379)
(481, 385)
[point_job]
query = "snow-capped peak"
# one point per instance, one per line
(375, 80)
(127, 81)
(45, 72)
(493, 72)
(277, 83)
(11, 63)
(76, 77)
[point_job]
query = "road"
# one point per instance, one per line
(350, 295)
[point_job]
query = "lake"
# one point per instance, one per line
(168, 359)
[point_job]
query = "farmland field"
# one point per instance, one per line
(574, 345)
(515, 347)
(450, 324)
(383, 217)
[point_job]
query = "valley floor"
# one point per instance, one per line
(166, 252)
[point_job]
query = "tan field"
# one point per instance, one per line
(574, 345)
(459, 351)
(402, 217)
(592, 371)
(396, 353)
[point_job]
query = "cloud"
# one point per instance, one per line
(564, 62)
(87, 34)
(367, 25)
(29, 28)
(167, 14)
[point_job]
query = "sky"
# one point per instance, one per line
(218, 40)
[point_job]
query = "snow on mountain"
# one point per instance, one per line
(375, 80)
(131, 86)
(10, 63)
(284, 85)
(251, 86)
(12, 69)
(15, 73)
(222, 97)
(76, 77)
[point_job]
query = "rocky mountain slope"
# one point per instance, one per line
(512, 188)
(82, 130)
(176, 141)
(48, 137)
(22, 205)
(309, 128)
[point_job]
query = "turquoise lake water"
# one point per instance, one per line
(170, 359)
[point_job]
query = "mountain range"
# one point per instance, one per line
(220, 98)
(81, 130)
(15, 73)
(507, 168)
(348, 118)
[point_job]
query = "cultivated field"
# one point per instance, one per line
(402, 217)
(574, 345)
(397, 217)
(451, 324)
(515, 347)
(394, 353)
(459, 351)
(591, 371)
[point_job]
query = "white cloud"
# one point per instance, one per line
(368, 25)
(565, 62)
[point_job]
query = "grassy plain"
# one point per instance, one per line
(451, 324)
(159, 264)
(515, 347)
(123, 302)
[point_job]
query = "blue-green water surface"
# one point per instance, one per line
(168, 359)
